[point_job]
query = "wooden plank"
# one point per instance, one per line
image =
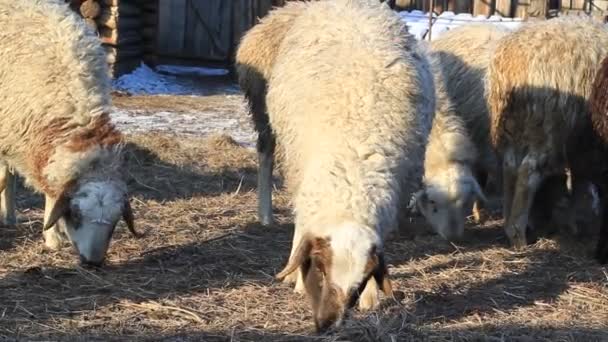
(126, 9)
(114, 37)
(531, 8)
(164, 27)
(114, 54)
(537, 9)
(504, 8)
(483, 7)
(574, 5)
(112, 20)
(176, 26)
(124, 67)
(599, 6)
(463, 6)
(405, 4)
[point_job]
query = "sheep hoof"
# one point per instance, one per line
(52, 240)
(299, 288)
(369, 299)
(479, 216)
(266, 221)
(291, 278)
(517, 238)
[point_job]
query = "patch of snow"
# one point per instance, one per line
(182, 81)
(144, 80)
(418, 22)
(192, 71)
(189, 124)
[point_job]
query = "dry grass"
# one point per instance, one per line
(204, 271)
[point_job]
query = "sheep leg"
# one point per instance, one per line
(601, 251)
(7, 196)
(509, 178)
(266, 144)
(369, 299)
(478, 215)
(52, 237)
(529, 179)
(478, 206)
(296, 276)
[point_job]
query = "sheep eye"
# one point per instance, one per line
(73, 215)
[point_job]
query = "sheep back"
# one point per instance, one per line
(541, 76)
(351, 99)
(56, 93)
(256, 55)
(462, 56)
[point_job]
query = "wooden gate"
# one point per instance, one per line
(205, 30)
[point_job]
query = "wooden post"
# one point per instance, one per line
(483, 7)
(503, 8)
(431, 6)
(404, 4)
(462, 6)
(531, 8)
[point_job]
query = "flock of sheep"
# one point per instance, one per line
(359, 114)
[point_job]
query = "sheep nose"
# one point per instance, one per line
(90, 263)
(323, 325)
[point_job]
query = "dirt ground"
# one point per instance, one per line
(204, 270)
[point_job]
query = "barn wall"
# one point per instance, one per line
(205, 30)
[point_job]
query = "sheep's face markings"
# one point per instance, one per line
(95, 208)
(336, 272)
(328, 300)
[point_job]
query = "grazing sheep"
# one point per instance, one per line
(351, 101)
(459, 155)
(55, 130)
(540, 79)
(255, 58)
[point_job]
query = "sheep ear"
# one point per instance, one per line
(381, 276)
(127, 215)
(58, 208)
(301, 253)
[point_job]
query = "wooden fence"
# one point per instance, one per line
(208, 31)
(509, 8)
(204, 30)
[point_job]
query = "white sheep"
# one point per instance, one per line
(539, 83)
(351, 101)
(459, 155)
(55, 130)
(255, 58)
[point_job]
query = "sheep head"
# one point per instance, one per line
(336, 270)
(88, 215)
(447, 200)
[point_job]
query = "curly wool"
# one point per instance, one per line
(55, 96)
(351, 99)
(256, 55)
(540, 79)
(462, 56)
